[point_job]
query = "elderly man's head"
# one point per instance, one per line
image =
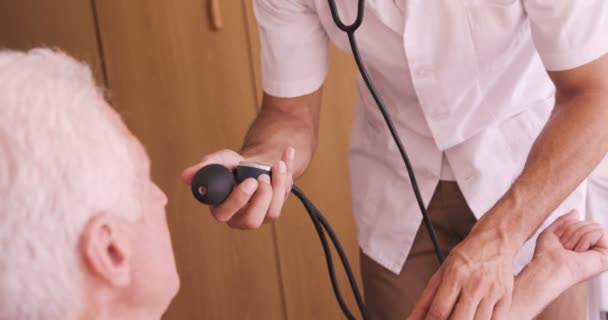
(83, 233)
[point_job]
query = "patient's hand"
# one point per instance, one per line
(579, 247)
(569, 251)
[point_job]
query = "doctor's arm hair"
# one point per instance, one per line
(284, 123)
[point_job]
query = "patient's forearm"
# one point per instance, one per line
(535, 287)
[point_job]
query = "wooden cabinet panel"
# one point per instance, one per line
(65, 24)
(308, 291)
(186, 90)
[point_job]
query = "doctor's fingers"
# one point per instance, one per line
(501, 309)
(253, 214)
(281, 184)
(226, 157)
(465, 307)
(476, 301)
(289, 157)
(444, 301)
(421, 307)
(238, 198)
(484, 310)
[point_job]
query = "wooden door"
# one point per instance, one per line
(68, 25)
(186, 90)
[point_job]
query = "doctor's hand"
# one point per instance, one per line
(474, 282)
(252, 202)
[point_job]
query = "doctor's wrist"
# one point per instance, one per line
(270, 154)
(498, 235)
(262, 154)
(506, 223)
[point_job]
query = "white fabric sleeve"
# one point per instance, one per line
(293, 47)
(568, 33)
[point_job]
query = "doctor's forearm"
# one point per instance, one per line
(283, 123)
(572, 143)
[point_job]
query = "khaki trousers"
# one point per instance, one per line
(389, 296)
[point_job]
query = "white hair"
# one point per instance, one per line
(64, 157)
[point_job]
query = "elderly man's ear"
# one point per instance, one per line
(105, 249)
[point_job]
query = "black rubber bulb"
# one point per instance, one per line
(212, 184)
